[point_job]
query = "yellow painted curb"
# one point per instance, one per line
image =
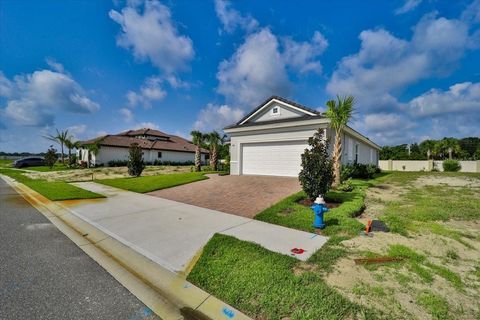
(164, 292)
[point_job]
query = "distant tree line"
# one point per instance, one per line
(446, 148)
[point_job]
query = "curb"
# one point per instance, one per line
(166, 293)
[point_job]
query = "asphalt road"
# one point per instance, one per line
(43, 275)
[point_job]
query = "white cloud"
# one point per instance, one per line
(151, 35)
(33, 99)
(472, 13)
(408, 6)
(5, 86)
(461, 98)
(56, 66)
(149, 125)
(217, 117)
(255, 71)
(77, 131)
(301, 56)
(385, 64)
(150, 91)
(127, 114)
(231, 19)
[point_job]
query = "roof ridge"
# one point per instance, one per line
(284, 100)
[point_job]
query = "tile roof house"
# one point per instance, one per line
(272, 137)
(157, 146)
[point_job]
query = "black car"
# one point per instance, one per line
(29, 162)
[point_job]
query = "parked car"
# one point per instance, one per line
(29, 162)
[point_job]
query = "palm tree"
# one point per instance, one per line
(60, 138)
(214, 141)
(70, 144)
(339, 112)
(450, 146)
(198, 139)
(93, 148)
(428, 147)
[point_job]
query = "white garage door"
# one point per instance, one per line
(273, 158)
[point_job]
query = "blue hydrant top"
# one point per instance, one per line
(319, 208)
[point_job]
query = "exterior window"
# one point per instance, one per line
(159, 154)
(356, 153)
(275, 110)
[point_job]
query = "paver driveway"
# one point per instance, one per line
(241, 195)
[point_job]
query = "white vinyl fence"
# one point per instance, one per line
(425, 165)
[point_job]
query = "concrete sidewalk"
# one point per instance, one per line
(172, 233)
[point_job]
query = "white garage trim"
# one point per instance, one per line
(279, 158)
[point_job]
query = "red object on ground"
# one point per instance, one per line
(368, 227)
(297, 251)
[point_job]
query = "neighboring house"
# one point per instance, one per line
(271, 139)
(157, 147)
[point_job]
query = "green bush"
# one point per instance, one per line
(358, 171)
(451, 165)
(135, 160)
(316, 175)
(51, 157)
(346, 186)
(117, 163)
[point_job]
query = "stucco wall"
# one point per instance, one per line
(423, 165)
(107, 154)
(366, 154)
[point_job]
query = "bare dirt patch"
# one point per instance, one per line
(376, 197)
(103, 173)
(398, 298)
(435, 180)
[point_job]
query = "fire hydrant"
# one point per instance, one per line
(319, 209)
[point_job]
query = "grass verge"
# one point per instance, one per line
(56, 167)
(263, 285)
(339, 221)
(54, 191)
(152, 183)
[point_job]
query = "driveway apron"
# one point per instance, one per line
(172, 233)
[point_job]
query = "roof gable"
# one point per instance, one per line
(277, 108)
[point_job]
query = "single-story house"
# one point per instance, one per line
(157, 147)
(270, 139)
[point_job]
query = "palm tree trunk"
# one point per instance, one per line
(211, 158)
(198, 165)
(214, 159)
(337, 157)
(69, 155)
(63, 158)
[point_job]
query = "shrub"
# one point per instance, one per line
(117, 163)
(451, 165)
(346, 186)
(51, 157)
(358, 171)
(135, 160)
(316, 175)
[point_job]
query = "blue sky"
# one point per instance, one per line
(98, 67)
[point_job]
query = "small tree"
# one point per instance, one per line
(135, 160)
(51, 157)
(317, 174)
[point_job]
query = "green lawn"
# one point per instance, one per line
(152, 183)
(57, 190)
(263, 285)
(267, 285)
(56, 167)
(5, 163)
(339, 221)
